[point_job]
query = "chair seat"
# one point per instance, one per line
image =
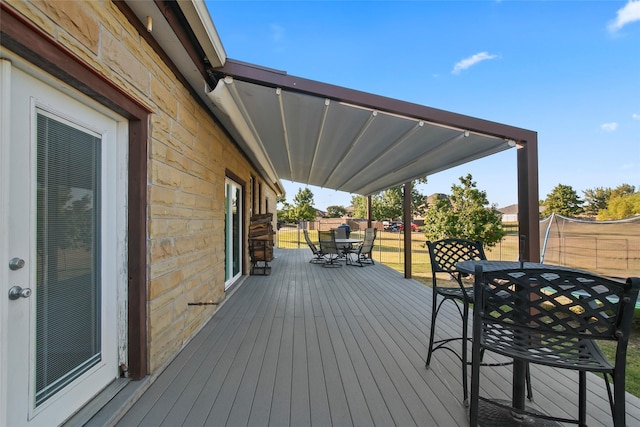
(456, 292)
(552, 350)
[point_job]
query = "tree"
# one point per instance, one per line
(621, 207)
(563, 200)
(623, 190)
(286, 213)
(466, 214)
(303, 205)
(596, 199)
(336, 211)
(389, 204)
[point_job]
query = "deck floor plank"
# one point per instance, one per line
(313, 346)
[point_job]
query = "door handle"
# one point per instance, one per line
(16, 263)
(17, 292)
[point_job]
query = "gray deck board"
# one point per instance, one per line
(309, 346)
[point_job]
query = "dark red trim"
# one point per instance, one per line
(25, 39)
(274, 78)
(528, 202)
(168, 9)
(245, 197)
(407, 217)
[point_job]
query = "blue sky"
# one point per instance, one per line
(569, 70)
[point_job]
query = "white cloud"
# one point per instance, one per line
(472, 60)
(635, 116)
(628, 14)
(277, 32)
(609, 127)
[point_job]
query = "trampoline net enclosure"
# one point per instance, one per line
(609, 248)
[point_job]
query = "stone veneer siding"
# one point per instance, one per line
(188, 156)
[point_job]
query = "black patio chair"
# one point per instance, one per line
(329, 248)
(554, 316)
(444, 255)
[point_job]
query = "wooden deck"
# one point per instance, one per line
(333, 347)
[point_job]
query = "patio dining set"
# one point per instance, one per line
(524, 313)
(336, 248)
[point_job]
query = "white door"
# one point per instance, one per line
(233, 232)
(62, 260)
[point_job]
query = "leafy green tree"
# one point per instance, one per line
(563, 200)
(623, 190)
(285, 210)
(336, 211)
(465, 214)
(621, 207)
(303, 205)
(596, 199)
(286, 213)
(389, 204)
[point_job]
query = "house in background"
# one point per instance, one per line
(129, 177)
(509, 213)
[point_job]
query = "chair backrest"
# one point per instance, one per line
(327, 241)
(341, 233)
(446, 253)
(556, 301)
(312, 245)
(370, 233)
(367, 242)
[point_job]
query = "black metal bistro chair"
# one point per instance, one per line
(444, 255)
(553, 316)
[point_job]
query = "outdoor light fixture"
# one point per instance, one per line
(466, 133)
(511, 143)
(149, 24)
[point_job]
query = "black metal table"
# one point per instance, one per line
(491, 415)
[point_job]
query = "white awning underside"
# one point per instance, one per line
(327, 143)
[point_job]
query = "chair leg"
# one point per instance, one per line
(465, 341)
(619, 397)
(476, 360)
(582, 398)
(529, 388)
(434, 314)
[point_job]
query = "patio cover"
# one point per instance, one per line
(332, 137)
(329, 136)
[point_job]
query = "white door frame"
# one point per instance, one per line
(230, 238)
(48, 92)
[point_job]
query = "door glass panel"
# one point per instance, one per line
(233, 231)
(67, 249)
(235, 215)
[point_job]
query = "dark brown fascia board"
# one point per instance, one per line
(181, 29)
(275, 78)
